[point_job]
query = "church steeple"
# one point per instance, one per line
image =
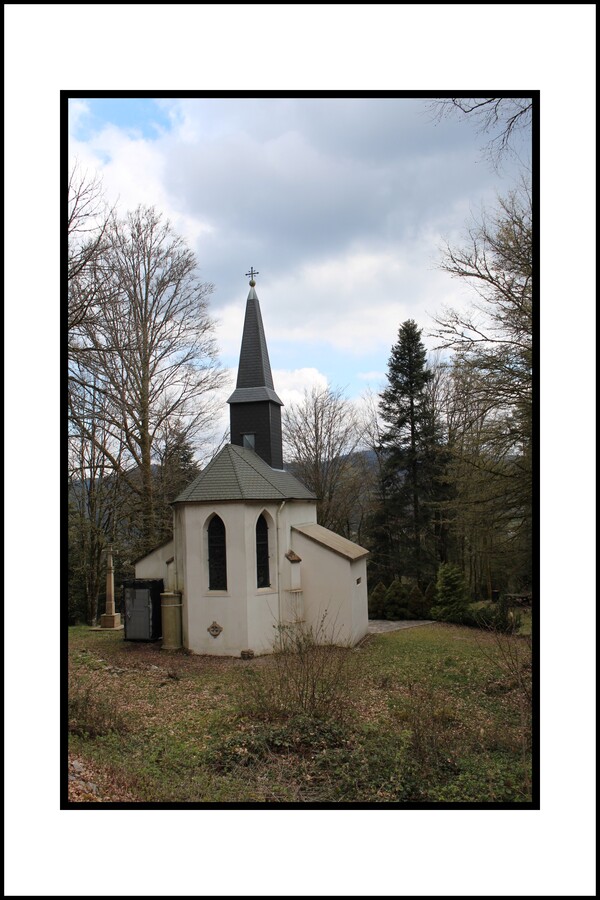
(255, 408)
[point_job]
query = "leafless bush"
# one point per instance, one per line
(512, 656)
(309, 674)
(91, 715)
(429, 718)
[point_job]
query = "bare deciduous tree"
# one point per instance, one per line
(151, 352)
(321, 435)
(96, 501)
(88, 221)
(502, 118)
(489, 408)
(496, 335)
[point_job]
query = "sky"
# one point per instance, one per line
(88, 47)
(343, 205)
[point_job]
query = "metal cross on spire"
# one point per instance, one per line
(252, 273)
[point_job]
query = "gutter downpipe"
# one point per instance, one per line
(279, 585)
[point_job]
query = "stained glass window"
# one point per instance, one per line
(217, 555)
(262, 553)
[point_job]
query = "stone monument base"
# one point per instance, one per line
(113, 621)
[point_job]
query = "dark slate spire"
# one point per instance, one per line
(255, 380)
(255, 408)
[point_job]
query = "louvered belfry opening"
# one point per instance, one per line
(255, 408)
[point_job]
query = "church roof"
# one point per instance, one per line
(255, 379)
(332, 541)
(237, 473)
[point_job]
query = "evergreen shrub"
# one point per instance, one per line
(499, 617)
(396, 601)
(417, 605)
(452, 601)
(377, 601)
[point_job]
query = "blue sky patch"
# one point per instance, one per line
(143, 115)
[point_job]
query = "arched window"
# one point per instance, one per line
(217, 555)
(262, 553)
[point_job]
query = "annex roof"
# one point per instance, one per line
(153, 550)
(332, 541)
(237, 473)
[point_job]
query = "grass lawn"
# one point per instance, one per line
(426, 714)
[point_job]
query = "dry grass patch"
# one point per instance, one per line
(419, 715)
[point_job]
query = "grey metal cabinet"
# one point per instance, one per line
(142, 618)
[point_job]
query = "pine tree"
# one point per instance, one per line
(177, 468)
(411, 458)
(452, 599)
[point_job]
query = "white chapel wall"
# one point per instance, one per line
(330, 590)
(202, 606)
(248, 615)
(360, 599)
(154, 564)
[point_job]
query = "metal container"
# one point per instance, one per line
(141, 601)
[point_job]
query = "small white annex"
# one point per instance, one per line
(247, 554)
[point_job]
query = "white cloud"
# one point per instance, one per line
(78, 111)
(356, 301)
(344, 228)
(133, 173)
(347, 232)
(290, 384)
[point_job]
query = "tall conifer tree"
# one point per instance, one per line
(410, 453)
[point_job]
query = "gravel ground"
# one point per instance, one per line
(377, 626)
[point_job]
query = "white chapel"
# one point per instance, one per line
(247, 554)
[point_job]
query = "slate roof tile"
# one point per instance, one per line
(237, 473)
(255, 379)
